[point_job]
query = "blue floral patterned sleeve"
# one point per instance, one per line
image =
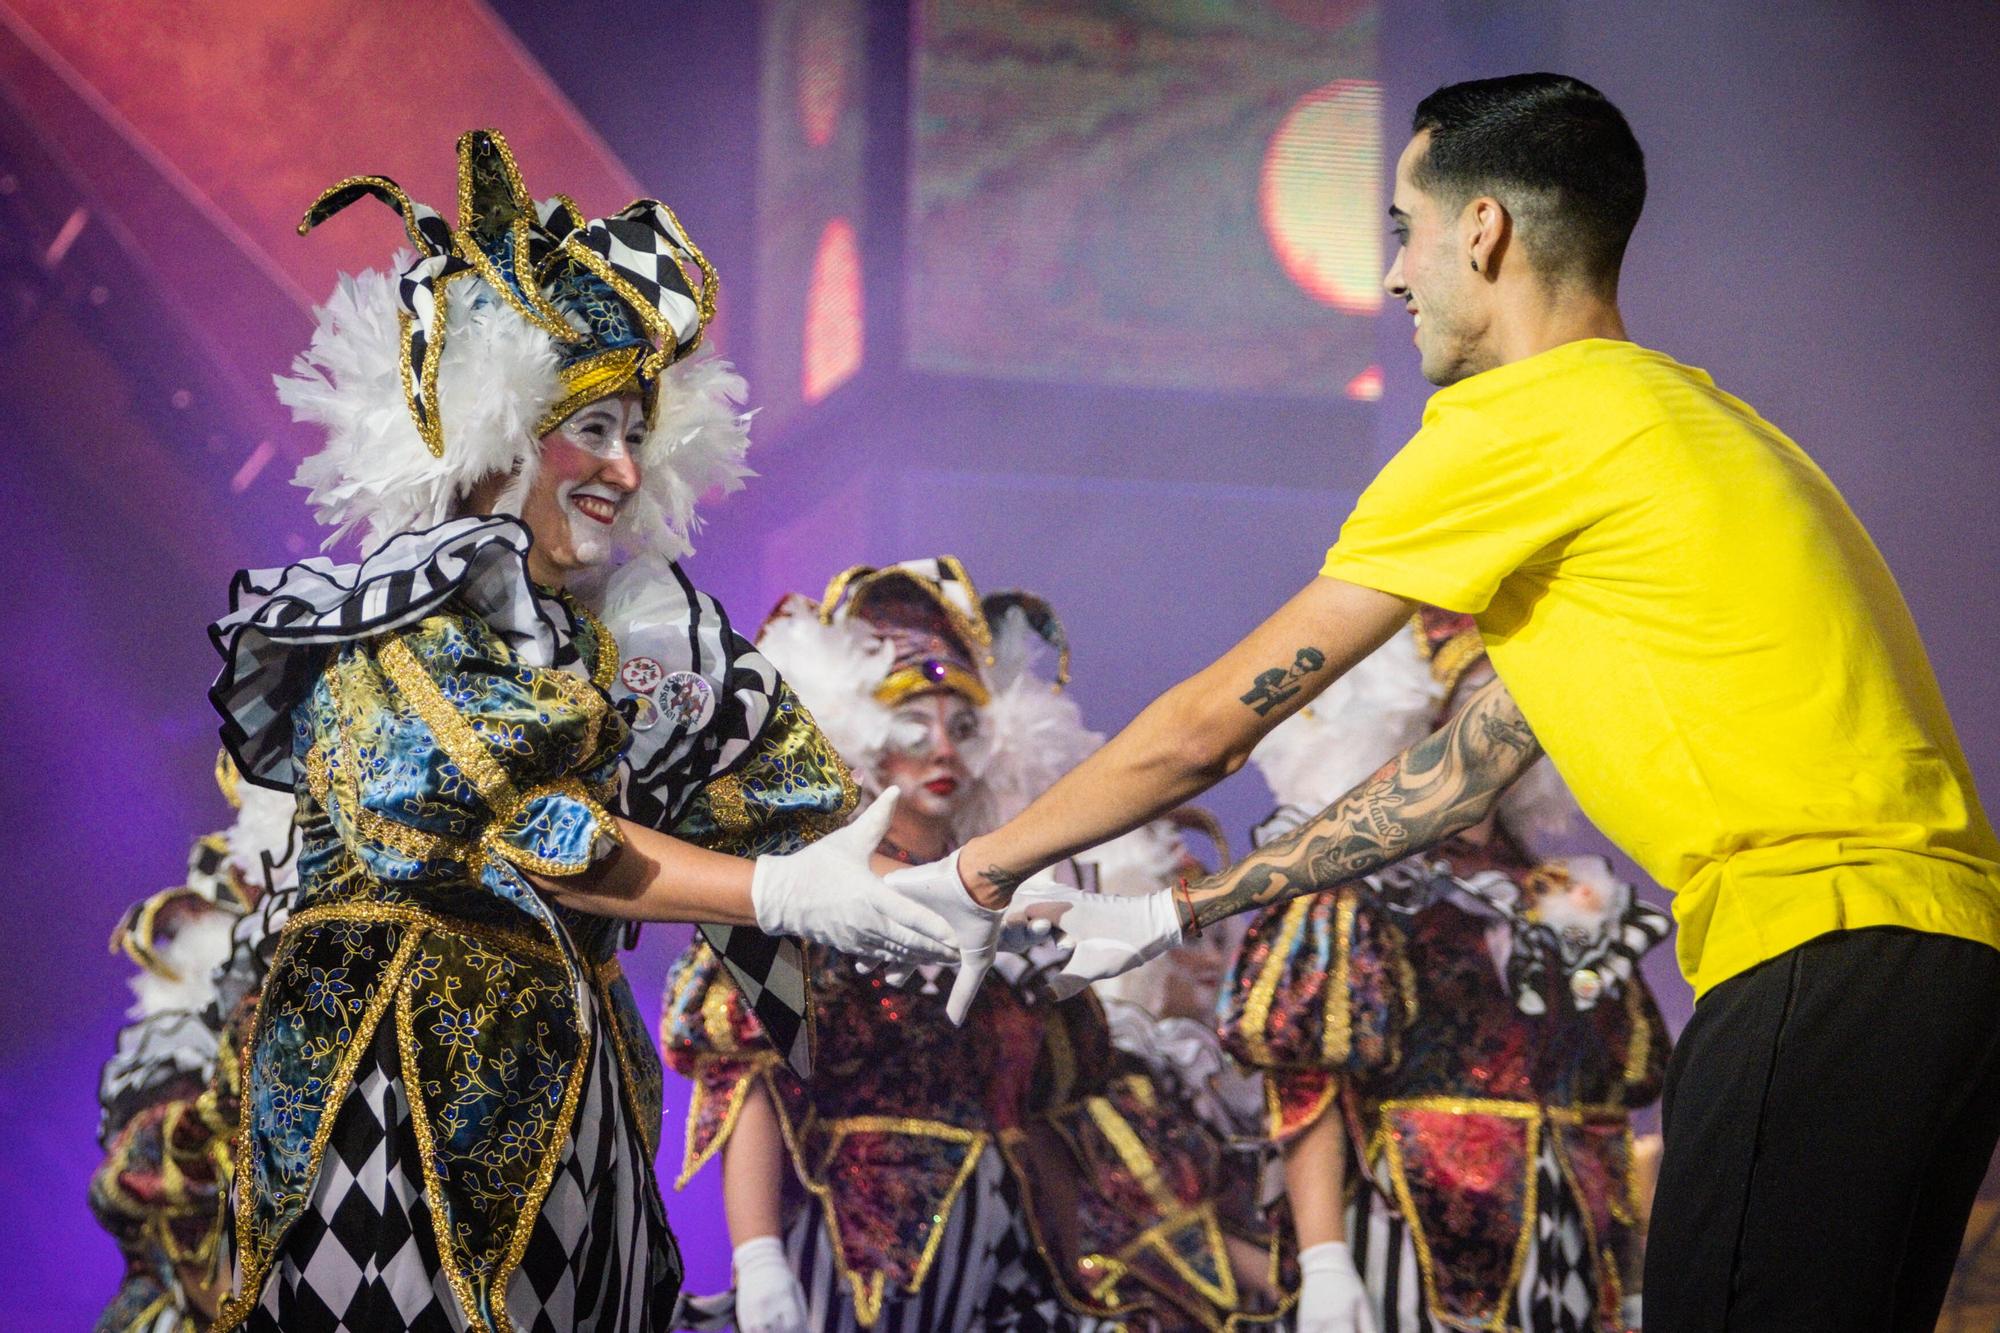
(435, 754)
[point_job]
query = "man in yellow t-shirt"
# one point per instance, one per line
(1686, 616)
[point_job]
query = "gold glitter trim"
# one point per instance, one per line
(1106, 1287)
(602, 976)
(1124, 1141)
(1111, 1307)
(495, 843)
(605, 670)
(400, 201)
(711, 281)
(535, 308)
(316, 780)
(420, 1122)
(868, 1298)
(255, 1259)
(462, 744)
(868, 1295)
(1337, 1026)
(715, 1022)
(136, 940)
(420, 391)
(455, 736)
(1274, 1108)
(588, 380)
(1639, 1046)
(427, 922)
(1157, 1238)
(1600, 1256)
(1580, 1114)
(903, 682)
(229, 778)
(693, 1160)
(1426, 1264)
(666, 339)
(1257, 1008)
(728, 803)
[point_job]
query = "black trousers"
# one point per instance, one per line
(1829, 1115)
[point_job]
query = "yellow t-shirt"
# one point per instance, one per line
(1705, 641)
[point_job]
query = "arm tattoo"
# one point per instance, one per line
(1442, 785)
(1275, 686)
(1002, 879)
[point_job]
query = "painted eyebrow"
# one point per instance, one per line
(1397, 215)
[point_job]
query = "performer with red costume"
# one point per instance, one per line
(1453, 1047)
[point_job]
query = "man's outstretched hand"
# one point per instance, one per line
(937, 886)
(1106, 933)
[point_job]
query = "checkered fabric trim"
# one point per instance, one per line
(281, 620)
(657, 614)
(1564, 1295)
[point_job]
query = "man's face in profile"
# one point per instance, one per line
(1432, 276)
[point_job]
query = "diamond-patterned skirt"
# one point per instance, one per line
(363, 1257)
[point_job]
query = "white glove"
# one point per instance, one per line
(1332, 1298)
(828, 894)
(975, 929)
(769, 1298)
(1106, 933)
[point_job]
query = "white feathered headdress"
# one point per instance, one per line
(449, 372)
(879, 635)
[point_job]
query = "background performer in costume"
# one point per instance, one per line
(451, 1105)
(1018, 1172)
(170, 1093)
(1474, 1016)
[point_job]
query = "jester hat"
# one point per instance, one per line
(436, 378)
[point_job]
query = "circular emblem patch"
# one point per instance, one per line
(688, 700)
(645, 713)
(641, 674)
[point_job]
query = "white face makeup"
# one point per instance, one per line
(609, 430)
(935, 743)
(589, 470)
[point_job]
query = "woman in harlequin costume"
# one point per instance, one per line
(451, 1104)
(170, 1093)
(1013, 1173)
(1451, 1049)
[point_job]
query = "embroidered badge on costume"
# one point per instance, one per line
(641, 675)
(688, 700)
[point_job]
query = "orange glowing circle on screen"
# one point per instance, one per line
(1320, 196)
(833, 342)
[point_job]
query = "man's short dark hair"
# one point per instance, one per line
(1554, 151)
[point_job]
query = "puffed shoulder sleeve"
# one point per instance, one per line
(532, 752)
(1319, 990)
(427, 701)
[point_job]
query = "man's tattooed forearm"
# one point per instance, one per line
(1275, 686)
(1002, 879)
(1442, 785)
